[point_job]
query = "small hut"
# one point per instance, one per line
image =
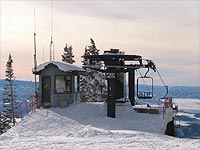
(58, 83)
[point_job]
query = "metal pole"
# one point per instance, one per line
(35, 54)
(111, 98)
(52, 52)
(131, 83)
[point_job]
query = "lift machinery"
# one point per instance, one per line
(116, 63)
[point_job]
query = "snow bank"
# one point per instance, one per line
(85, 126)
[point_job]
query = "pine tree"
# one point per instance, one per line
(9, 93)
(4, 123)
(68, 55)
(92, 84)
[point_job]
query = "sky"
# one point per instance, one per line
(166, 31)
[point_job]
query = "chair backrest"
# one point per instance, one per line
(145, 90)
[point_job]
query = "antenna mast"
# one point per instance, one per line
(35, 59)
(51, 43)
(43, 53)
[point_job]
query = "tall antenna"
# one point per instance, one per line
(0, 56)
(51, 43)
(0, 50)
(35, 59)
(43, 53)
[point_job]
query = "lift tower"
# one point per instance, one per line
(115, 63)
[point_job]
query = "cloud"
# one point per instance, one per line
(153, 11)
(99, 9)
(165, 31)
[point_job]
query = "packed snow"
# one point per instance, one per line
(85, 126)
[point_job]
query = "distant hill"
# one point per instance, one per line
(23, 90)
(176, 91)
(185, 92)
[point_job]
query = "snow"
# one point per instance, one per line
(188, 104)
(61, 65)
(85, 126)
(189, 118)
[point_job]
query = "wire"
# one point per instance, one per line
(160, 77)
(163, 83)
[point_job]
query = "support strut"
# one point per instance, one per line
(111, 98)
(131, 84)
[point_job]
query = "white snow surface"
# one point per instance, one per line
(85, 126)
(188, 107)
(61, 65)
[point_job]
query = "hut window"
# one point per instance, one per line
(63, 84)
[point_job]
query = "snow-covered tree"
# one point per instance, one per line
(9, 93)
(5, 123)
(68, 55)
(92, 48)
(92, 84)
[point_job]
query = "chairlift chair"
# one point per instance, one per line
(147, 92)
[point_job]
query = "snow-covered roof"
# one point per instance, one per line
(66, 67)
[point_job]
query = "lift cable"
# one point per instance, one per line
(160, 77)
(152, 66)
(163, 83)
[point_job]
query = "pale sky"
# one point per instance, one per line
(165, 31)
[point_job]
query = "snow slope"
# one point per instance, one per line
(85, 126)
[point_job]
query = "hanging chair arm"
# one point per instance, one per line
(146, 72)
(167, 90)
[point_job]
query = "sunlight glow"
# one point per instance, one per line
(170, 38)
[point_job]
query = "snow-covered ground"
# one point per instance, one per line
(189, 116)
(85, 126)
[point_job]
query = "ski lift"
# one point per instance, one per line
(146, 91)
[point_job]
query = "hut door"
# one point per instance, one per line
(46, 91)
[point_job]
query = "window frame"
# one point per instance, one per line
(65, 81)
(76, 84)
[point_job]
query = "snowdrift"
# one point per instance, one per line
(85, 126)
